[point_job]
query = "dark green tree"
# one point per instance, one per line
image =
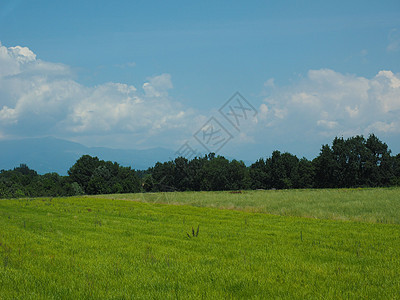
(283, 169)
(181, 174)
(325, 165)
(260, 177)
(305, 175)
(81, 172)
(163, 175)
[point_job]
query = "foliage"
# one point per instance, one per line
(355, 162)
(96, 176)
(24, 182)
(351, 162)
(88, 175)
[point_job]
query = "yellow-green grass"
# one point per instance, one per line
(374, 205)
(96, 248)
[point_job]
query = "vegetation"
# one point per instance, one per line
(96, 176)
(352, 162)
(370, 205)
(23, 182)
(234, 242)
(88, 175)
(95, 248)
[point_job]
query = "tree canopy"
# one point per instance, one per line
(351, 162)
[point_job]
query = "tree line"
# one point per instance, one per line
(351, 162)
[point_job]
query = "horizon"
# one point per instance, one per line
(147, 157)
(237, 80)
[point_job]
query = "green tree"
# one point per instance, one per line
(215, 174)
(325, 165)
(128, 181)
(99, 182)
(260, 178)
(354, 162)
(148, 183)
(283, 169)
(238, 175)
(306, 174)
(163, 175)
(396, 169)
(81, 172)
(181, 174)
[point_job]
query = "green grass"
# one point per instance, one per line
(373, 205)
(96, 248)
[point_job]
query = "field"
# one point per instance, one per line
(300, 244)
(372, 205)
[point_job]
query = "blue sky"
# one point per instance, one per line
(142, 74)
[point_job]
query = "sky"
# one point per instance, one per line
(239, 78)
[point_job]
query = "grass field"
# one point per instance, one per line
(263, 244)
(374, 205)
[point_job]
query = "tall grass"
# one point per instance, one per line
(94, 248)
(374, 205)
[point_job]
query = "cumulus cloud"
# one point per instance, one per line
(41, 98)
(22, 54)
(158, 86)
(330, 103)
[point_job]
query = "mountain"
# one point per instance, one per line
(49, 154)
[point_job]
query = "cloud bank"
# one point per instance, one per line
(328, 103)
(41, 98)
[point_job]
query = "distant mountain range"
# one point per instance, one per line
(50, 154)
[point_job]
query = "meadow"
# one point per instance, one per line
(298, 244)
(374, 205)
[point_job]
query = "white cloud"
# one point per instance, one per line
(327, 124)
(280, 113)
(305, 99)
(353, 112)
(330, 103)
(9, 65)
(8, 115)
(384, 127)
(41, 98)
(386, 89)
(158, 86)
(22, 54)
(263, 111)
